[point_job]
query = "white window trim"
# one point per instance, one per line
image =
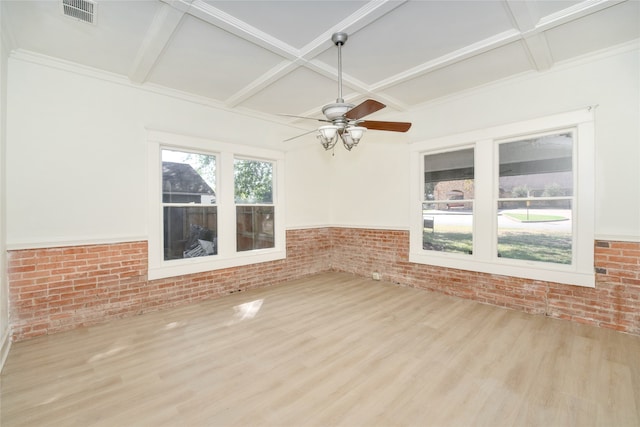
(484, 258)
(227, 255)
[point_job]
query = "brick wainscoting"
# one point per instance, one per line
(52, 290)
(614, 303)
(56, 289)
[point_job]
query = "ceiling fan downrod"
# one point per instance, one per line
(339, 39)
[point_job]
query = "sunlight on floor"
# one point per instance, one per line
(108, 353)
(245, 311)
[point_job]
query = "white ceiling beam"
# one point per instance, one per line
(392, 102)
(164, 24)
(330, 72)
(574, 12)
(527, 19)
(354, 22)
(466, 52)
(216, 17)
(528, 28)
(350, 25)
(239, 28)
(521, 15)
(524, 16)
(262, 82)
(533, 37)
(538, 50)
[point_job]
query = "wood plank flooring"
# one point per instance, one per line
(330, 350)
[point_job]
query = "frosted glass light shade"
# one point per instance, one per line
(356, 133)
(328, 136)
(328, 132)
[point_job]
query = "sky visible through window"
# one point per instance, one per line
(194, 160)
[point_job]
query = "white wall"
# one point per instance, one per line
(371, 184)
(308, 186)
(77, 149)
(4, 297)
(75, 163)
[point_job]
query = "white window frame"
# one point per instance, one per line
(485, 228)
(472, 201)
(261, 204)
(227, 255)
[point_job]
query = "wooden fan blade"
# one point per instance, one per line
(298, 136)
(364, 109)
(389, 126)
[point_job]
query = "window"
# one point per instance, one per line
(212, 205)
(447, 207)
(189, 213)
(535, 194)
(254, 204)
(513, 200)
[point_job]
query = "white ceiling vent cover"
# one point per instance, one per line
(82, 10)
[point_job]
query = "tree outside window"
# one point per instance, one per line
(253, 185)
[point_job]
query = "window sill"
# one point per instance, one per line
(187, 266)
(522, 269)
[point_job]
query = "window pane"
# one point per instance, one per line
(188, 177)
(190, 231)
(540, 172)
(537, 167)
(254, 227)
(449, 176)
(447, 211)
(534, 231)
(447, 231)
(253, 181)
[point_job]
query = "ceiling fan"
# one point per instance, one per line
(346, 119)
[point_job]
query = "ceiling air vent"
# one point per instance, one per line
(82, 10)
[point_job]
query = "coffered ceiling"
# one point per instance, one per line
(269, 57)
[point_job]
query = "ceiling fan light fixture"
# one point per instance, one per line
(347, 141)
(344, 117)
(356, 132)
(328, 136)
(351, 136)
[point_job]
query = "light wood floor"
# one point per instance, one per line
(333, 349)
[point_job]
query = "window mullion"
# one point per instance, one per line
(227, 216)
(484, 227)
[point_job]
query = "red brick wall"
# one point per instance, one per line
(51, 290)
(614, 303)
(56, 289)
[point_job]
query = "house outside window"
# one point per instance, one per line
(212, 205)
(527, 193)
(189, 211)
(447, 207)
